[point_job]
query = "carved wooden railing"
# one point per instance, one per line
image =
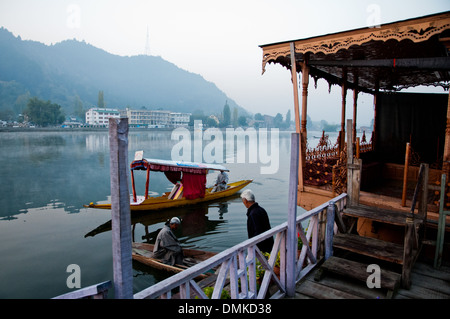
(236, 268)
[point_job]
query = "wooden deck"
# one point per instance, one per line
(427, 283)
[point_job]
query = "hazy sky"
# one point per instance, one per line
(216, 39)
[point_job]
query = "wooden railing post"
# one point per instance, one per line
(329, 230)
(120, 209)
(291, 244)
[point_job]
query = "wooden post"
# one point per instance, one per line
(349, 161)
(120, 209)
(446, 157)
(374, 130)
(358, 147)
(291, 245)
(329, 234)
(133, 187)
(297, 112)
(354, 168)
(423, 207)
(405, 174)
(303, 133)
(305, 83)
(408, 258)
(344, 101)
(147, 182)
(355, 104)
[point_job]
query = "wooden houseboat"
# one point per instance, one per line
(378, 171)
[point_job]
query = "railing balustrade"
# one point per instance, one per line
(236, 268)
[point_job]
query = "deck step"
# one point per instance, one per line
(370, 247)
(378, 214)
(388, 280)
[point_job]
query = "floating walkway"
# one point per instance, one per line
(427, 283)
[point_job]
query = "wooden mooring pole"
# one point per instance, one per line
(120, 209)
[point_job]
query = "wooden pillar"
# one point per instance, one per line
(303, 133)
(305, 83)
(446, 158)
(344, 101)
(291, 245)
(147, 182)
(355, 104)
(374, 131)
(405, 174)
(120, 209)
(354, 168)
(297, 114)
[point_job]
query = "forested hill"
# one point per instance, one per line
(72, 71)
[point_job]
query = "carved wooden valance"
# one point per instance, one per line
(389, 57)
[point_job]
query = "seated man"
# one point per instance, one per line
(167, 247)
(221, 182)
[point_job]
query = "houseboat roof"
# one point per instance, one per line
(388, 57)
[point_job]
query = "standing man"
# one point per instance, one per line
(257, 220)
(167, 247)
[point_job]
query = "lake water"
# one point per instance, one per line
(46, 177)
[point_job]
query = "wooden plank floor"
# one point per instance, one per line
(427, 283)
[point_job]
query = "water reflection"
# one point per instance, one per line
(46, 177)
(195, 222)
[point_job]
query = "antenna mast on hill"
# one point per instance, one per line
(147, 44)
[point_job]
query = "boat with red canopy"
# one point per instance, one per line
(189, 179)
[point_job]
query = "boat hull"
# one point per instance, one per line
(141, 252)
(162, 202)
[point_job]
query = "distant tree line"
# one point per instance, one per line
(43, 113)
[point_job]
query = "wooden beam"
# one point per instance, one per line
(120, 209)
(435, 63)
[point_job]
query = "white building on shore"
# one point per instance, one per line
(101, 116)
(156, 118)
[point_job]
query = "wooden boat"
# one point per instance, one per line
(189, 181)
(142, 253)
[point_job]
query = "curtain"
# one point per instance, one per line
(194, 185)
(173, 177)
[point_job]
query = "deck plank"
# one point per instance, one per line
(338, 287)
(378, 214)
(358, 271)
(378, 248)
(320, 291)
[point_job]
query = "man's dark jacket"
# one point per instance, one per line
(257, 223)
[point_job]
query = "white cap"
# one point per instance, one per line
(175, 220)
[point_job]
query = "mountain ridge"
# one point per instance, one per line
(72, 70)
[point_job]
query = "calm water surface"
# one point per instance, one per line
(46, 177)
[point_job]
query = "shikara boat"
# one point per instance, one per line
(142, 252)
(189, 179)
